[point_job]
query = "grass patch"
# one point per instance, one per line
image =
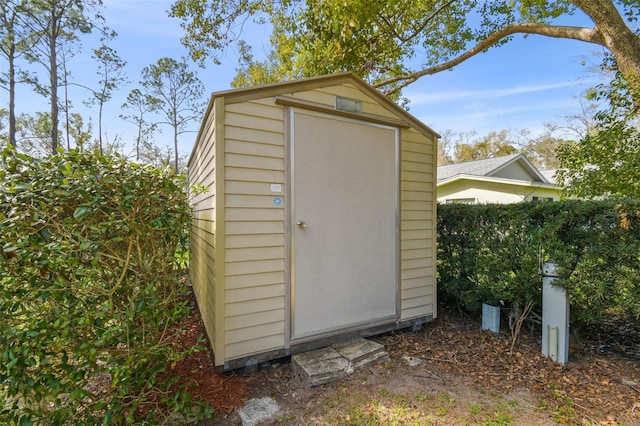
(382, 405)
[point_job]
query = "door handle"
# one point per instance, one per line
(301, 224)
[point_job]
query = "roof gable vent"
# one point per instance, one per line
(348, 105)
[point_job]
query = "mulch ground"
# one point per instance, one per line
(599, 385)
(224, 392)
(595, 386)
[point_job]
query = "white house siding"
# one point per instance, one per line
(483, 192)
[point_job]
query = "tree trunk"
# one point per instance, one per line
(12, 95)
(621, 41)
(175, 149)
(66, 106)
(100, 126)
(53, 81)
(101, 100)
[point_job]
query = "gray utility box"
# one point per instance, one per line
(555, 316)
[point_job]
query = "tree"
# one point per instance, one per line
(445, 145)
(12, 45)
(252, 73)
(604, 164)
(456, 147)
(606, 161)
(140, 106)
(53, 25)
(578, 125)
(110, 70)
(33, 135)
(4, 136)
(377, 39)
(162, 157)
(77, 131)
(176, 93)
(542, 151)
(494, 144)
(66, 103)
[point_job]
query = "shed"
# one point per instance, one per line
(318, 219)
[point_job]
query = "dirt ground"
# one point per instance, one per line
(464, 376)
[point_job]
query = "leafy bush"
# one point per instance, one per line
(89, 292)
(492, 253)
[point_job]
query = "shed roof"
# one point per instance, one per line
(288, 87)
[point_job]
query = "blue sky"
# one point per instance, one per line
(523, 85)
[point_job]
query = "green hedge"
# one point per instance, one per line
(492, 254)
(89, 290)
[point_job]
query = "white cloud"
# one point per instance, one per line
(484, 117)
(483, 94)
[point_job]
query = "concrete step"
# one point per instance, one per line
(337, 361)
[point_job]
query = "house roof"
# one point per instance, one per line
(549, 175)
(488, 168)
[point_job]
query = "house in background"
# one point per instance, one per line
(508, 179)
(550, 175)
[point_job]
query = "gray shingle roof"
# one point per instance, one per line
(476, 168)
(549, 174)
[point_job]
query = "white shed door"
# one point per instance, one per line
(344, 226)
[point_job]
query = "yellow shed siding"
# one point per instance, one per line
(261, 292)
(255, 319)
(250, 281)
(248, 335)
(239, 257)
(202, 275)
(239, 241)
(369, 105)
(202, 170)
(202, 165)
(254, 229)
(255, 344)
(417, 209)
(254, 267)
(254, 135)
(254, 253)
(327, 96)
(254, 148)
(248, 307)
